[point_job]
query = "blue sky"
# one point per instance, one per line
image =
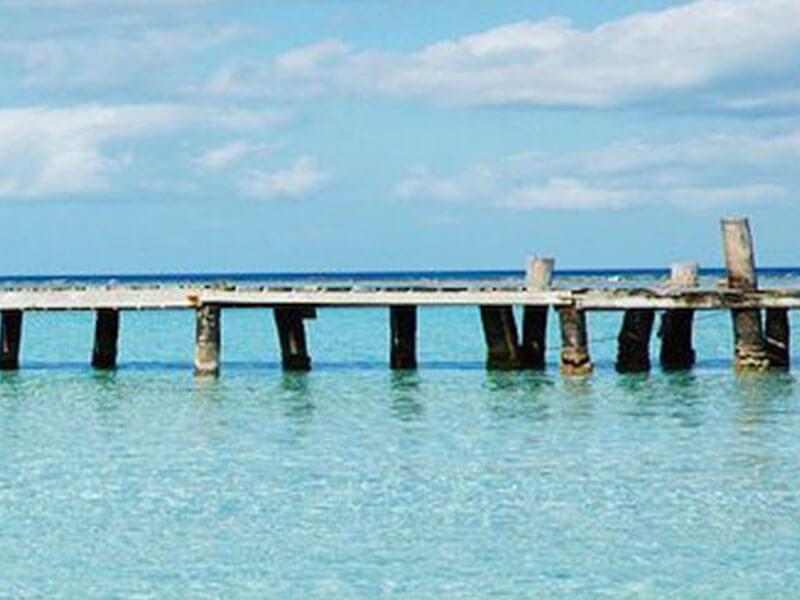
(221, 135)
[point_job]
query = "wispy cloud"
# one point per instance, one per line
(303, 178)
(75, 151)
(228, 155)
(702, 48)
(701, 172)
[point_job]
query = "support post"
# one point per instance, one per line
(675, 332)
(633, 353)
(539, 276)
(575, 359)
(11, 334)
(741, 271)
(502, 343)
(207, 340)
(777, 337)
(292, 336)
(106, 334)
(403, 324)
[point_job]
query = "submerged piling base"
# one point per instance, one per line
(10, 336)
(776, 337)
(106, 335)
(207, 341)
(403, 324)
(575, 359)
(749, 339)
(633, 354)
(292, 336)
(677, 352)
(502, 342)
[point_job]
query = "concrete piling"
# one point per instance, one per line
(633, 353)
(207, 340)
(292, 336)
(675, 332)
(575, 359)
(10, 337)
(539, 276)
(750, 353)
(403, 325)
(502, 342)
(777, 337)
(106, 335)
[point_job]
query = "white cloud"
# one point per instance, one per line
(303, 178)
(700, 172)
(223, 157)
(67, 151)
(686, 49)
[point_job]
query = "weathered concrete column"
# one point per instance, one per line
(675, 332)
(539, 277)
(10, 336)
(575, 359)
(502, 342)
(292, 336)
(208, 340)
(106, 334)
(777, 337)
(741, 270)
(403, 323)
(633, 352)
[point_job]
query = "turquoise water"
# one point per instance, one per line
(354, 482)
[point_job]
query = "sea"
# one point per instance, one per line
(353, 481)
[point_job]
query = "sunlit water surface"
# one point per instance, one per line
(354, 482)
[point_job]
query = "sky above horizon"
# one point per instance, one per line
(147, 136)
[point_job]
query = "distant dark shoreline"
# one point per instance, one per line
(365, 276)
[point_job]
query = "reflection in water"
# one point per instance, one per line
(683, 391)
(297, 397)
(579, 396)
(763, 395)
(406, 402)
(519, 394)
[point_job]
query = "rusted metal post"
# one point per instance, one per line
(502, 343)
(106, 334)
(741, 269)
(675, 332)
(539, 276)
(575, 359)
(207, 340)
(292, 336)
(777, 337)
(10, 334)
(633, 354)
(403, 324)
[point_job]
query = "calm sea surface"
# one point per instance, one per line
(355, 482)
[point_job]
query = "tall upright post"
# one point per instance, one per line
(106, 334)
(292, 336)
(502, 342)
(777, 337)
(403, 324)
(741, 270)
(207, 340)
(10, 336)
(675, 332)
(575, 358)
(539, 277)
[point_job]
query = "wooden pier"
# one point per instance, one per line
(757, 345)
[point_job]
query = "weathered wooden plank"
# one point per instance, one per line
(633, 353)
(677, 352)
(539, 277)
